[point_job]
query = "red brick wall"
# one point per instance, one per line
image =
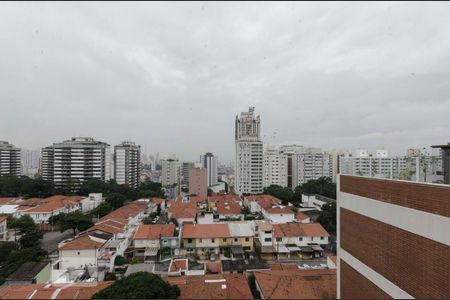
(356, 286)
(418, 265)
(425, 197)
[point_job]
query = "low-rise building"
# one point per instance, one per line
(302, 218)
(79, 290)
(183, 210)
(241, 238)
(296, 284)
(221, 286)
(91, 202)
(81, 251)
(314, 201)
(148, 240)
(229, 210)
(257, 202)
(30, 272)
(205, 239)
(278, 214)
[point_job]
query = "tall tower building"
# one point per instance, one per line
(249, 154)
(209, 161)
(185, 167)
(127, 166)
(274, 167)
(9, 159)
(76, 160)
(198, 178)
(171, 172)
(30, 162)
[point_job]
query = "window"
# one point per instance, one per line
(267, 239)
(78, 252)
(247, 239)
(278, 239)
(267, 232)
(189, 240)
(322, 238)
(224, 240)
(300, 239)
(235, 239)
(212, 240)
(200, 240)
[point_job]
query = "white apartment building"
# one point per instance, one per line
(9, 159)
(313, 165)
(362, 163)
(171, 171)
(249, 154)
(127, 165)
(30, 162)
(274, 167)
(76, 160)
(209, 161)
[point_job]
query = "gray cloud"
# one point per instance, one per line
(172, 76)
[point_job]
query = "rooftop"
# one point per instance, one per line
(228, 208)
(226, 286)
(154, 231)
(238, 229)
(82, 242)
(297, 284)
(299, 229)
(49, 204)
(27, 271)
(127, 211)
(205, 230)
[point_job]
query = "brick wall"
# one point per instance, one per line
(419, 266)
(356, 286)
(425, 197)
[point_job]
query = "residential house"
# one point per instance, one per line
(264, 234)
(9, 205)
(205, 239)
(296, 284)
(79, 290)
(222, 197)
(229, 211)
(314, 201)
(278, 214)
(132, 213)
(220, 286)
(40, 210)
(241, 238)
(81, 251)
(257, 202)
(304, 240)
(302, 218)
(148, 240)
(183, 210)
(91, 202)
(30, 272)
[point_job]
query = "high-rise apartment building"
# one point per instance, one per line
(209, 161)
(274, 167)
(76, 160)
(185, 167)
(249, 153)
(313, 165)
(171, 171)
(30, 162)
(445, 161)
(380, 165)
(9, 159)
(198, 182)
(393, 239)
(127, 165)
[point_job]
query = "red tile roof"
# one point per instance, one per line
(178, 209)
(214, 198)
(226, 286)
(11, 201)
(158, 201)
(81, 290)
(265, 197)
(81, 243)
(297, 284)
(49, 204)
(214, 267)
(154, 231)
(127, 211)
(301, 216)
(279, 210)
(178, 264)
(299, 229)
(205, 231)
(228, 208)
(112, 226)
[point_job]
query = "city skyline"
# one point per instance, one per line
(318, 74)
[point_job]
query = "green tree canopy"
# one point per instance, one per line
(322, 186)
(140, 285)
(285, 194)
(75, 221)
(116, 200)
(327, 217)
(102, 210)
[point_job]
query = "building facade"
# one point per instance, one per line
(275, 167)
(393, 239)
(311, 166)
(127, 166)
(445, 162)
(75, 161)
(30, 162)
(185, 167)
(198, 179)
(9, 159)
(171, 174)
(249, 154)
(209, 161)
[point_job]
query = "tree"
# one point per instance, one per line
(120, 260)
(327, 217)
(140, 285)
(102, 210)
(285, 194)
(75, 221)
(322, 186)
(116, 200)
(210, 192)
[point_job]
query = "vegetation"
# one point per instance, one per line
(102, 210)
(120, 260)
(23, 186)
(327, 217)
(140, 285)
(75, 221)
(210, 192)
(258, 248)
(285, 194)
(227, 252)
(13, 255)
(322, 186)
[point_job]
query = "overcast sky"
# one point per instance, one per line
(173, 76)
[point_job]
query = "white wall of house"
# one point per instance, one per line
(265, 238)
(77, 258)
(91, 202)
(279, 218)
(304, 240)
(151, 243)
